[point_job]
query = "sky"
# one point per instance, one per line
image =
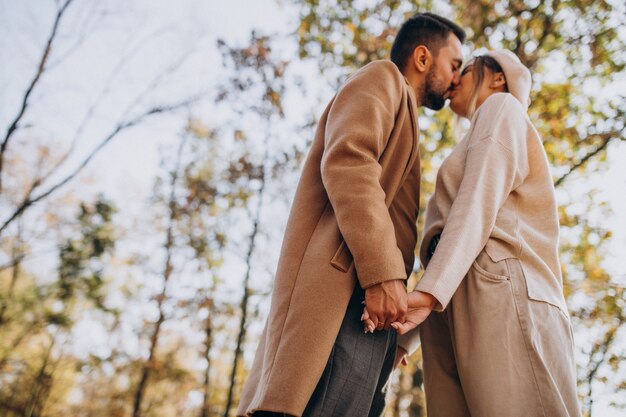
(142, 37)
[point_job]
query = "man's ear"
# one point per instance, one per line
(498, 81)
(422, 58)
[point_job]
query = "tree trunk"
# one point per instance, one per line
(167, 273)
(16, 261)
(40, 70)
(204, 412)
(246, 289)
(242, 323)
(41, 388)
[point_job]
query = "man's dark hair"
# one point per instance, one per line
(426, 29)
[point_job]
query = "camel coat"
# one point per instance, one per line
(353, 220)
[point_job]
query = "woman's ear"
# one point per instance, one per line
(498, 82)
(422, 58)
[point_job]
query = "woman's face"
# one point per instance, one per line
(461, 97)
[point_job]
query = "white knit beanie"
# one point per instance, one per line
(517, 76)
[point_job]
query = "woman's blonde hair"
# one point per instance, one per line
(479, 65)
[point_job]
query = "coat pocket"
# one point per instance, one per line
(343, 258)
(536, 290)
(486, 268)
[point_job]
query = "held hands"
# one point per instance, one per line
(420, 304)
(385, 303)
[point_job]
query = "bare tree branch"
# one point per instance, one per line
(13, 262)
(156, 81)
(28, 201)
(40, 70)
(31, 328)
(605, 142)
(90, 16)
(20, 256)
(105, 91)
(603, 349)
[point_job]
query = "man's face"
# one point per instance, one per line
(444, 74)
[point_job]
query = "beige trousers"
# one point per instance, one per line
(495, 353)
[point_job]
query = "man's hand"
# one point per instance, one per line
(420, 306)
(385, 303)
(401, 357)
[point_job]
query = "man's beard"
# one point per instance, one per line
(434, 91)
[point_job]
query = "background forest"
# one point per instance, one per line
(149, 151)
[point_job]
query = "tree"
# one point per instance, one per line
(43, 314)
(202, 199)
(37, 168)
(54, 170)
(260, 72)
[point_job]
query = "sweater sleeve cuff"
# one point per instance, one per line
(434, 288)
(410, 341)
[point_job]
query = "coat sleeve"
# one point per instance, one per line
(495, 164)
(360, 122)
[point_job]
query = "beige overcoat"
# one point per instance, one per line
(353, 219)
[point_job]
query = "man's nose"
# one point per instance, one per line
(456, 79)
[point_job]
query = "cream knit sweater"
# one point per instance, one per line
(494, 193)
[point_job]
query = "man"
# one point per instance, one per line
(351, 236)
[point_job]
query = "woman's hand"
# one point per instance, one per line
(401, 357)
(368, 324)
(420, 306)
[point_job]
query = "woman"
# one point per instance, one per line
(499, 342)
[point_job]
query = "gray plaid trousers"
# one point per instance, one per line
(354, 380)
